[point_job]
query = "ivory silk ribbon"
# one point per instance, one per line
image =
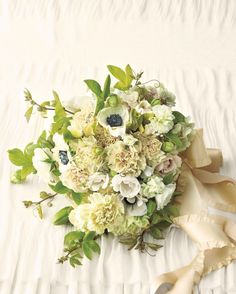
(214, 235)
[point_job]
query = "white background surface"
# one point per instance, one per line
(45, 45)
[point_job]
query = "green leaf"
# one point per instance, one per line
(62, 216)
(156, 218)
(40, 211)
(77, 197)
(168, 179)
(118, 73)
(151, 207)
(87, 250)
(129, 75)
(27, 170)
(94, 87)
(172, 210)
(106, 89)
(28, 113)
(72, 237)
(89, 236)
(179, 117)
(59, 109)
(174, 139)
(156, 233)
(60, 188)
(94, 246)
(16, 156)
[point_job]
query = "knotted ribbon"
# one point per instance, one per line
(214, 235)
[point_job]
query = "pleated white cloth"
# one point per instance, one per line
(45, 45)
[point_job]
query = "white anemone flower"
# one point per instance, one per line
(43, 168)
(128, 186)
(114, 119)
(61, 152)
(98, 180)
(138, 208)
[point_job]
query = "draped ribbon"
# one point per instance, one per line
(214, 235)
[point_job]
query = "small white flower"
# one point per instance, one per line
(114, 119)
(130, 97)
(129, 140)
(164, 198)
(43, 168)
(128, 186)
(148, 171)
(162, 122)
(97, 181)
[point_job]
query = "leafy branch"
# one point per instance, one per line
(43, 107)
(78, 244)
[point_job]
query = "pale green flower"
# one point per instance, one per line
(185, 132)
(162, 122)
(102, 212)
(114, 119)
(156, 188)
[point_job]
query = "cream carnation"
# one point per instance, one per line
(127, 160)
(102, 212)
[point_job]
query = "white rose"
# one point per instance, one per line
(128, 186)
(97, 181)
(43, 168)
(164, 198)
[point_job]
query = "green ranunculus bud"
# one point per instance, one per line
(112, 173)
(168, 146)
(98, 150)
(113, 100)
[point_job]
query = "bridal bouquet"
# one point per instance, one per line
(116, 160)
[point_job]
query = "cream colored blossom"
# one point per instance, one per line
(102, 212)
(88, 155)
(151, 148)
(82, 122)
(75, 178)
(127, 160)
(164, 198)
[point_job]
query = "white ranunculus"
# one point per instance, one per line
(129, 140)
(128, 186)
(119, 127)
(139, 208)
(130, 97)
(43, 168)
(98, 180)
(162, 122)
(164, 198)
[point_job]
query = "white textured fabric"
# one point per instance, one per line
(45, 45)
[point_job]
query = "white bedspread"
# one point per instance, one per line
(45, 45)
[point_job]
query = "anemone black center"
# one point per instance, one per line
(63, 157)
(114, 120)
